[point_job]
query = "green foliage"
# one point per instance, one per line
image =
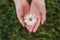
(11, 29)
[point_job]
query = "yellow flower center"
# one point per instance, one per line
(30, 19)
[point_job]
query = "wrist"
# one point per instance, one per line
(19, 1)
(39, 0)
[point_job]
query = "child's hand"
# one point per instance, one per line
(22, 8)
(42, 9)
(39, 9)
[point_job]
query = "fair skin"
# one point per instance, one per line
(37, 7)
(22, 8)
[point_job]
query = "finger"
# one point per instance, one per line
(43, 15)
(21, 21)
(43, 18)
(31, 28)
(37, 25)
(28, 27)
(19, 15)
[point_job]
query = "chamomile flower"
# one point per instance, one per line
(30, 19)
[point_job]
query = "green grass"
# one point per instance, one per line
(11, 29)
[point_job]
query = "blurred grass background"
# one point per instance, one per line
(11, 29)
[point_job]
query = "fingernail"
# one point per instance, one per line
(34, 31)
(23, 25)
(42, 22)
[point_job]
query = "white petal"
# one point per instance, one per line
(27, 22)
(27, 19)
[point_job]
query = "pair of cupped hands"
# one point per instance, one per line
(37, 7)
